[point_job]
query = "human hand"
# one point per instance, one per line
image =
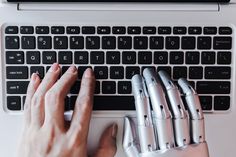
(170, 131)
(46, 133)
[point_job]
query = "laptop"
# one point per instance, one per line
(194, 39)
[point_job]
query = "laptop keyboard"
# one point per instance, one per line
(203, 55)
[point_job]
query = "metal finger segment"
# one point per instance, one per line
(195, 111)
(161, 115)
(144, 117)
(179, 114)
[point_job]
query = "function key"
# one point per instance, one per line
(73, 30)
(14, 103)
(195, 30)
(164, 30)
(134, 30)
(88, 30)
(11, 30)
(42, 30)
(12, 42)
(210, 30)
(180, 30)
(225, 31)
(57, 30)
(118, 30)
(26, 29)
(103, 30)
(149, 30)
(221, 103)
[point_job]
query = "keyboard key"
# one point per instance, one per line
(213, 87)
(176, 57)
(81, 70)
(97, 88)
(116, 72)
(210, 30)
(97, 57)
(217, 72)
(225, 30)
(156, 42)
(118, 30)
(129, 57)
(164, 30)
(88, 30)
(204, 43)
(101, 72)
(192, 57)
(221, 103)
(75, 88)
(12, 42)
(109, 87)
(27, 30)
(42, 30)
(113, 103)
(14, 57)
(28, 42)
(134, 30)
(160, 57)
(33, 57)
(49, 57)
(206, 102)
(195, 30)
(208, 57)
(172, 42)
(92, 42)
(124, 42)
(196, 72)
(17, 72)
(167, 69)
(72, 102)
(113, 57)
(188, 43)
(76, 42)
(104, 30)
(149, 30)
(58, 30)
(64, 69)
(149, 67)
(38, 70)
(60, 42)
(144, 57)
(73, 30)
(124, 87)
(44, 42)
(179, 72)
(224, 58)
(81, 57)
(67, 104)
(11, 30)
(131, 71)
(17, 87)
(180, 30)
(108, 42)
(140, 42)
(65, 57)
(221, 43)
(14, 103)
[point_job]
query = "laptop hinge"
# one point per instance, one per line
(213, 7)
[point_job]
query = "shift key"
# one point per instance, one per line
(17, 87)
(213, 87)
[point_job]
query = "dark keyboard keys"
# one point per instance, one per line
(104, 30)
(222, 43)
(160, 57)
(134, 30)
(28, 42)
(14, 103)
(164, 30)
(217, 72)
(225, 31)
(49, 57)
(208, 57)
(149, 67)
(81, 70)
(149, 30)
(42, 30)
(118, 30)
(180, 30)
(64, 69)
(44, 42)
(124, 42)
(195, 30)
(128, 57)
(17, 87)
(140, 42)
(108, 42)
(196, 72)
(60, 42)
(206, 102)
(213, 87)
(192, 57)
(224, 58)
(113, 57)
(81, 57)
(76, 42)
(131, 71)
(97, 57)
(11, 30)
(124, 87)
(17, 72)
(156, 42)
(101, 72)
(204, 43)
(221, 103)
(167, 69)
(188, 43)
(109, 87)
(65, 57)
(172, 43)
(179, 72)
(12, 42)
(210, 30)
(38, 70)
(176, 57)
(73, 30)
(26, 29)
(97, 88)
(33, 57)
(144, 57)
(116, 72)
(92, 42)
(88, 30)
(58, 30)
(75, 88)
(14, 57)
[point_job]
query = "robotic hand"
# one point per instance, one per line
(170, 131)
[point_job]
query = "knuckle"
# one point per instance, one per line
(37, 100)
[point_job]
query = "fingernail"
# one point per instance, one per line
(88, 73)
(114, 130)
(54, 67)
(72, 69)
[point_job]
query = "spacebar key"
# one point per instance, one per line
(17, 87)
(114, 103)
(213, 87)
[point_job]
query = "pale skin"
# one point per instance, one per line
(46, 133)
